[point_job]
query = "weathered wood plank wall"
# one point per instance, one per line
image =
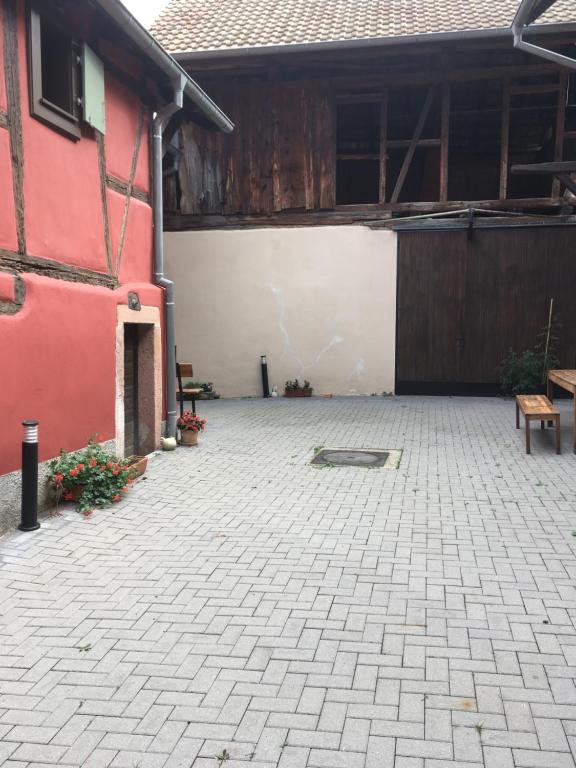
(281, 158)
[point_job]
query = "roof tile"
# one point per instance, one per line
(187, 26)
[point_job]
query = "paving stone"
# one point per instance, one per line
(242, 599)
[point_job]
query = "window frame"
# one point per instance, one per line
(50, 114)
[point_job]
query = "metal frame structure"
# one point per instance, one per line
(529, 12)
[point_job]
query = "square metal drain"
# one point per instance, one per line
(358, 457)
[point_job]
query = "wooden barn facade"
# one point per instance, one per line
(367, 121)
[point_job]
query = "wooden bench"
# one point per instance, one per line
(537, 408)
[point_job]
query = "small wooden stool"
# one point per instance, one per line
(537, 408)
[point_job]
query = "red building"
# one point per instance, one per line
(83, 322)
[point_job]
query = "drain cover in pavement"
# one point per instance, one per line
(353, 457)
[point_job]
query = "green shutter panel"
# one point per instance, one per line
(94, 95)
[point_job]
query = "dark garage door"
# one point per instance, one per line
(465, 301)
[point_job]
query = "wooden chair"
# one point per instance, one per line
(537, 408)
(185, 370)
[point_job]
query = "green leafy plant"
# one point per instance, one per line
(207, 387)
(293, 385)
(92, 477)
(525, 372)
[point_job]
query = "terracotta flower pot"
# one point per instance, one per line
(188, 437)
(298, 392)
(138, 465)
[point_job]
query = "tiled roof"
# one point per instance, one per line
(187, 26)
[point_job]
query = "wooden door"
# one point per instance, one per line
(131, 415)
(465, 301)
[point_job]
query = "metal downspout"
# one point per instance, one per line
(521, 23)
(159, 124)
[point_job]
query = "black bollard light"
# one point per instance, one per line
(29, 520)
(265, 385)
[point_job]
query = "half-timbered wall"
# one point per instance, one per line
(75, 239)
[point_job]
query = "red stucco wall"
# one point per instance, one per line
(8, 238)
(62, 348)
(58, 352)
(2, 86)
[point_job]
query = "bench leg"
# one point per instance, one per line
(550, 395)
(517, 417)
(558, 435)
(527, 421)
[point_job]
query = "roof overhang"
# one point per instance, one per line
(370, 42)
(151, 49)
(529, 12)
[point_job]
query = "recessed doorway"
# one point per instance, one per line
(138, 381)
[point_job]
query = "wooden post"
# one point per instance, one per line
(444, 142)
(383, 145)
(14, 114)
(560, 127)
(505, 139)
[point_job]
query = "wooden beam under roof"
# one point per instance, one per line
(561, 170)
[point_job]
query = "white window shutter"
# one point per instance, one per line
(94, 93)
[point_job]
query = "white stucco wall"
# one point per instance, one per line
(320, 302)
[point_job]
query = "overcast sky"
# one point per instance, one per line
(145, 10)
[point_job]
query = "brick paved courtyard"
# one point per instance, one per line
(241, 602)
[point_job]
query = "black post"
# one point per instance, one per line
(265, 385)
(180, 388)
(29, 521)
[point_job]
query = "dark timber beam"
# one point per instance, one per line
(505, 139)
(565, 166)
(384, 144)
(563, 86)
(445, 142)
(19, 263)
(12, 82)
(561, 170)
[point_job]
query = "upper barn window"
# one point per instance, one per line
(358, 153)
(54, 72)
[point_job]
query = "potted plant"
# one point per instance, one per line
(295, 389)
(208, 391)
(92, 477)
(137, 465)
(190, 425)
